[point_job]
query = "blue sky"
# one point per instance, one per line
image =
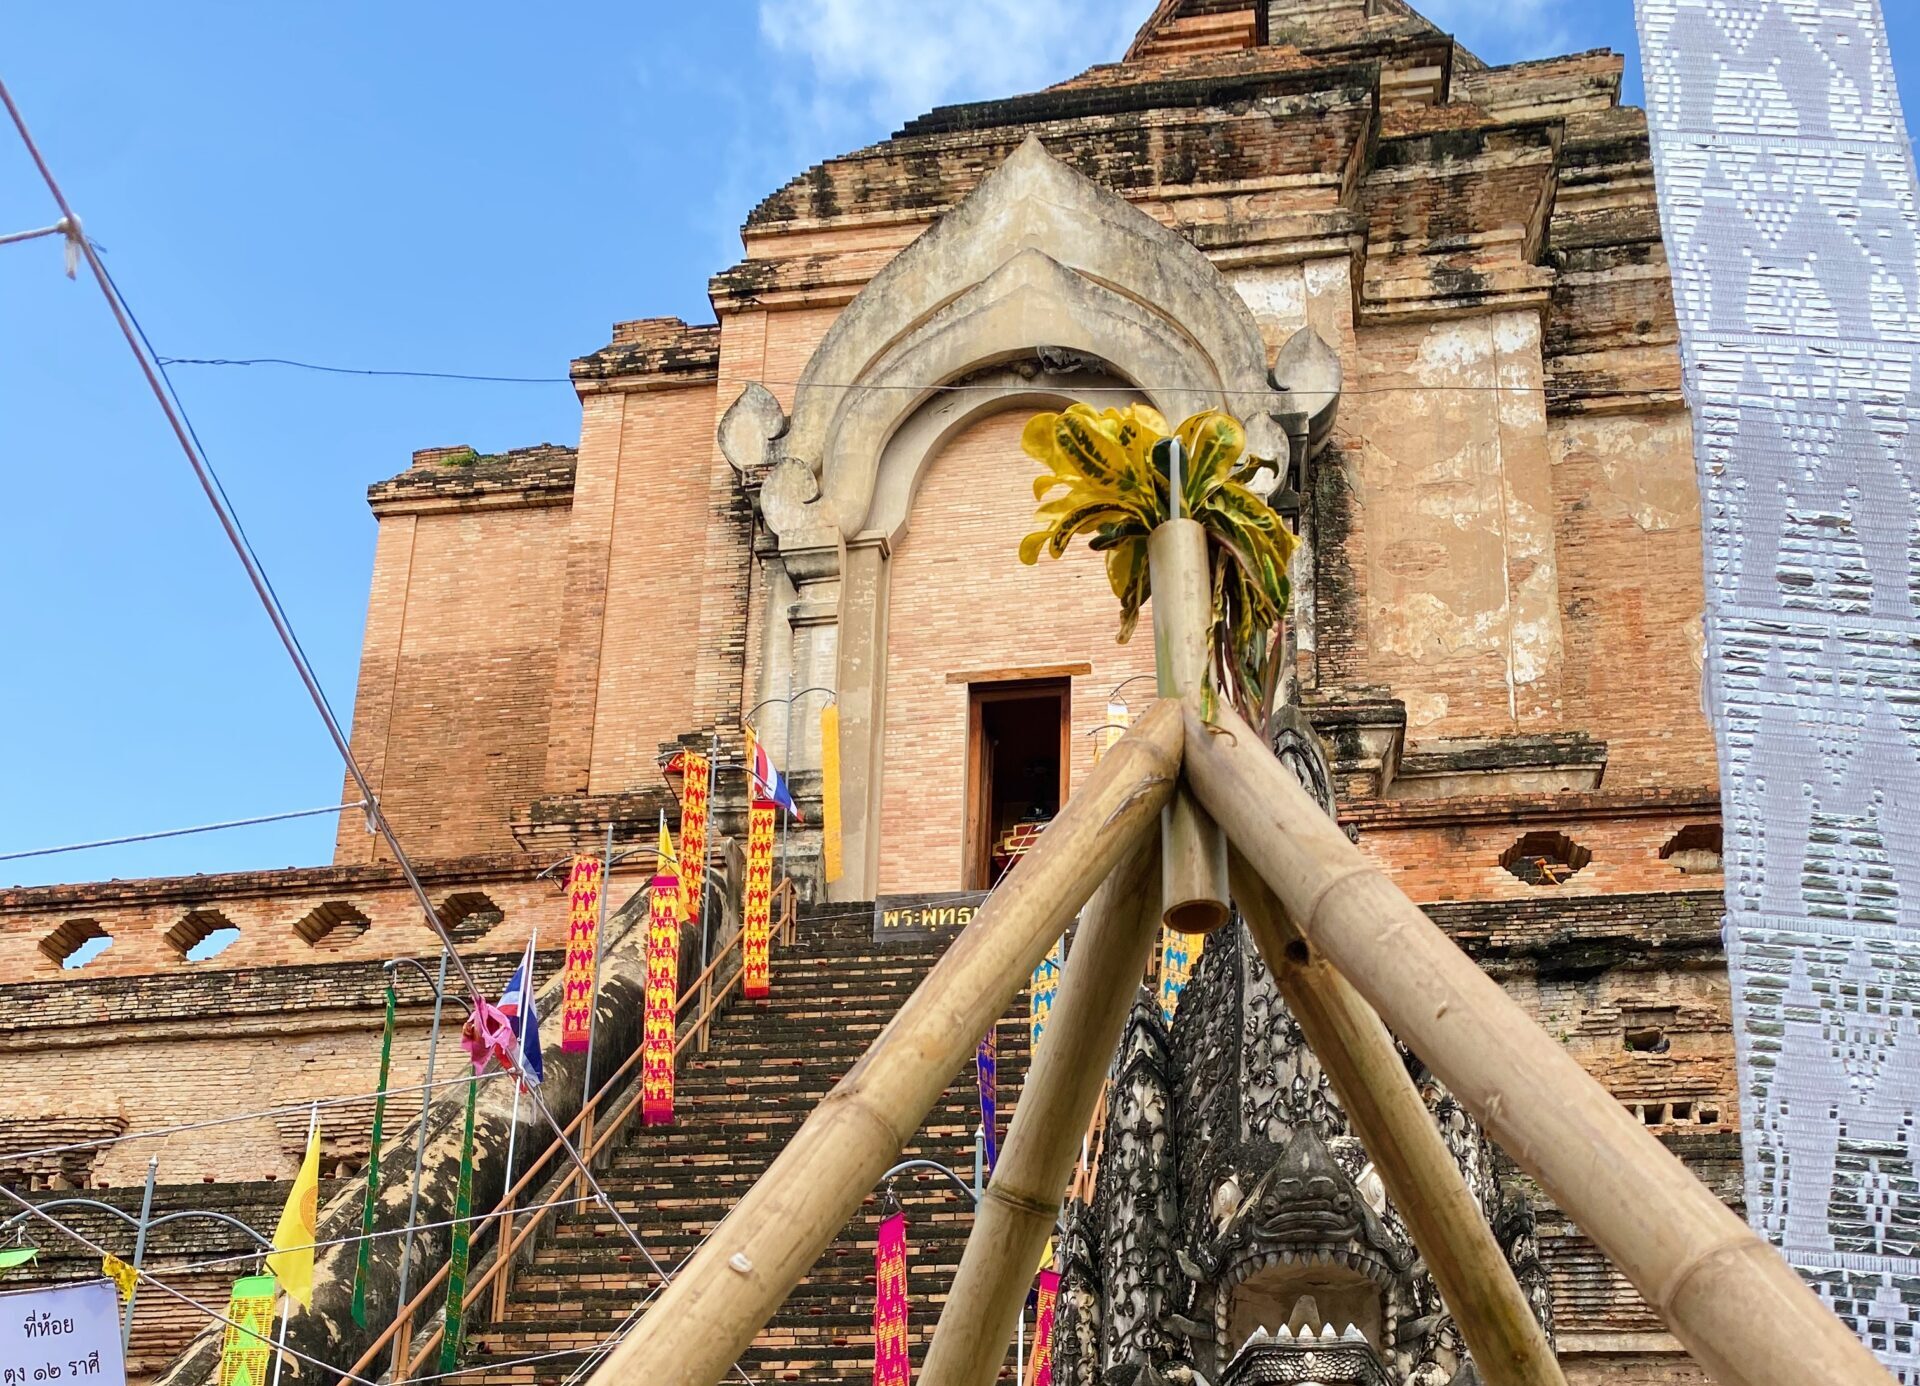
(384, 185)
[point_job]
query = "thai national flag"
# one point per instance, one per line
(516, 1003)
(772, 785)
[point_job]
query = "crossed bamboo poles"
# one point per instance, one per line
(1349, 951)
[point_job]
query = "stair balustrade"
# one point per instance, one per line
(703, 998)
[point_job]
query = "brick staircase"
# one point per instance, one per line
(738, 1104)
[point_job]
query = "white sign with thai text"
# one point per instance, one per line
(63, 1334)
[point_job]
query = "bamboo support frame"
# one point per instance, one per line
(1063, 1086)
(1193, 849)
(1729, 1297)
(1394, 1125)
(725, 1294)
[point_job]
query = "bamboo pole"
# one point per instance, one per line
(1064, 1082)
(726, 1293)
(1193, 849)
(1730, 1298)
(1392, 1121)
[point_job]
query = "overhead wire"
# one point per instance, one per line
(179, 832)
(162, 387)
(214, 1261)
(860, 385)
(289, 1109)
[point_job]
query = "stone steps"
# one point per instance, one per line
(770, 1062)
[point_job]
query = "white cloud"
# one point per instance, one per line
(902, 57)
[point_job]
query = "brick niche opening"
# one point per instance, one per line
(76, 943)
(1694, 850)
(468, 915)
(334, 924)
(202, 934)
(1545, 858)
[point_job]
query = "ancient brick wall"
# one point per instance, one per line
(1448, 850)
(651, 635)
(284, 918)
(974, 505)
(456, 674)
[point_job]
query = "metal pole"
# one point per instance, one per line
(979, 1163)
(280, 1339)
(519, 1043)
(706, 876)
(419, 1161)
(786, 753)
(1020, 1345)
(139, 1252)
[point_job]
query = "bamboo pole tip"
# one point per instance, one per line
(1201, 916)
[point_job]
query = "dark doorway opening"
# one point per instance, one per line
(1018, 738)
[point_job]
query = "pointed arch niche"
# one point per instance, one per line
(1040, 288)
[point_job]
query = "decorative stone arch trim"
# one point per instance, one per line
(1037, 286)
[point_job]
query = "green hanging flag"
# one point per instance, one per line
(462, 1231)
(17, 1256)
(364, 1261)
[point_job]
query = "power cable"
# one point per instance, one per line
(156, 1132)
(142, 348)
(178, 832)
(477, 1218)
(165, 361)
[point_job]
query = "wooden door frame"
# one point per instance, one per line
(976, 845)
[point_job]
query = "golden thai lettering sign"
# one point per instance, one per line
(757, 928)
(693, 833)
(917, 917)
(583, 942)
(830, 847)
(663, 987)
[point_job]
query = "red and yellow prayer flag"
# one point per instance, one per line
(663, 988)
(693, 834)
(583, 943)
(758, 925)
(891, 1366)
(1040, 1365)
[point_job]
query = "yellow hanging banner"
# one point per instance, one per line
(830, 791)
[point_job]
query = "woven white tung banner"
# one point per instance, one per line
(1787, 198)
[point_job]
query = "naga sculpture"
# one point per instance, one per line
(1238, 1233)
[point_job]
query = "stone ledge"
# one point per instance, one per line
(460, 478)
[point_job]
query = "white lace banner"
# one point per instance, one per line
(1787, 198)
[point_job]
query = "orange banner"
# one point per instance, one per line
(755, 968)
(583, 942)
(663, 991)
(693, 834)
